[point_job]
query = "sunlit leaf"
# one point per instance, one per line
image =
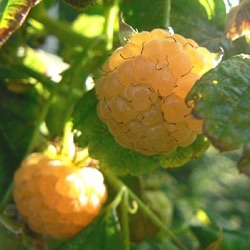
(182, 155)
(222, 99)
(12, 16)
(209, 7)
(89, 25)
(216, 11)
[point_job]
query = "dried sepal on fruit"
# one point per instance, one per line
(142, 92)
(238, 21)
(54, 196)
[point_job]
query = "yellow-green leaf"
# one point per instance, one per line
(12, 15)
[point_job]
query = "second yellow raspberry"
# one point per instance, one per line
(56, 197)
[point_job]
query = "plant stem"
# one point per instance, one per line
(68, 146)
(118, 184)
(111, 13)
(125, 221)
(121, 199)
(147, 211)
(168, 9)
(39, 121)
(58, 28)
(11, 224)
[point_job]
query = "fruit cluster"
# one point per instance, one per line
(142, 93)
(55, 197)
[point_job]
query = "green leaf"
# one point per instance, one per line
(18, 113)
(231, 239)
(188, 7)
(102, 234)
(164, 244)
(182, 155)
(244, 162)
(12, 16)
(147, 14)
(217, 185)
(197, 27)
(10, 241)
(216, 11)
(8, 164)
(219, 14)
(103, 146)
(222, 99)
(216, 245)
(89, 25)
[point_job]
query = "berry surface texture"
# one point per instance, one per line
(142, 92)
(57, 198)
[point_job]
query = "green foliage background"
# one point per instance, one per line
(198, 191)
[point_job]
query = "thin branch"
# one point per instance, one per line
(125, 221)
(118, 184)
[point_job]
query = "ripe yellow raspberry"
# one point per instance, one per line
(142, 93)
(55, 197)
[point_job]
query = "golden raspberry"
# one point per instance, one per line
(142, 93)
(56, 197)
